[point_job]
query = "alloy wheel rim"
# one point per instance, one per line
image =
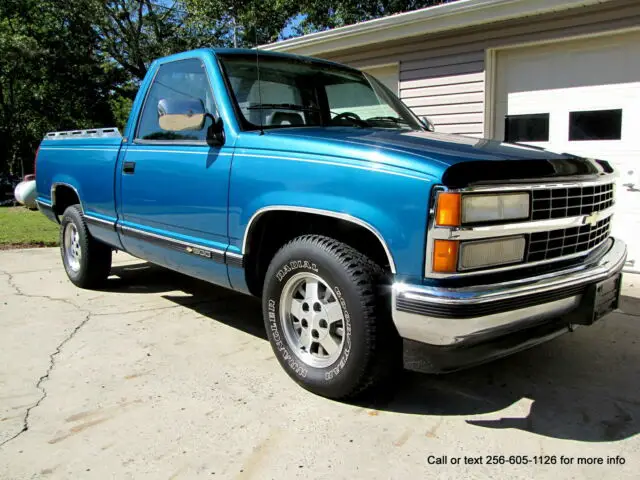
(312, 320)
(72, 249)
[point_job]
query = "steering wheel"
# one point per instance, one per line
(348, 116)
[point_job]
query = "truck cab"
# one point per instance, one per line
(311, 185)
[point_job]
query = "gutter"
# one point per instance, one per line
(448, 16)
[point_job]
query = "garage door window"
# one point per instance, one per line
(595, 125)
(527, 128)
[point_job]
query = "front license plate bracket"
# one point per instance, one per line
(598, 300)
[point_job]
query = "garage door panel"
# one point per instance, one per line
(576, 63)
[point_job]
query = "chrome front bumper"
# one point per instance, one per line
(457, 316)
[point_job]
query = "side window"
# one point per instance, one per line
(186, 79)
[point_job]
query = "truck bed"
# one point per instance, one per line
(82, 160)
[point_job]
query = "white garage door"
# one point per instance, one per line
(580, 97)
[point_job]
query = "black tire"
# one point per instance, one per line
(95, 261)
(372, 348)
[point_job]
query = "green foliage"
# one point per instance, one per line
(270, 18)
(135, 32)
(120, 106)
(322, 15)
(250, 19)
(50, 77)
(77, 63)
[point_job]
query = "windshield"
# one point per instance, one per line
(297, 92)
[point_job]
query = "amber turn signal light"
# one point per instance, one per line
(448, 210)
(445, 256)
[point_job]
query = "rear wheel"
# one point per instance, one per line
(86, 260)
(327, 322)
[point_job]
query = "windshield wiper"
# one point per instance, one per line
(284, 106)
(388, 119)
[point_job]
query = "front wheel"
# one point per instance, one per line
(326, 319)
(86, 260)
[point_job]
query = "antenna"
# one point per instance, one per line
(260, 111)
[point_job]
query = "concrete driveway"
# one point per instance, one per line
(162, 376)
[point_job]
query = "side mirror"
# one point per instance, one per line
(427, 124)
(178, 115)
(215, 133)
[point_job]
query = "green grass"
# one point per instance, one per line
(22, 228)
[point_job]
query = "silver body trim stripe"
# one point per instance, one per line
(71, 149)
(190, 152)
(171, 240)
(91, 218)
(328, 213)
(337, 164)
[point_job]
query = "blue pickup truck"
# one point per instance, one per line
(311, 185)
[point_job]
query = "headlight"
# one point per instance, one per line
(493, 208)
(455, 209)
(450, 256)
(485, 253)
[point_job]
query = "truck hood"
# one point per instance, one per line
(451, 159)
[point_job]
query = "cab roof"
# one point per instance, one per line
(248, 51)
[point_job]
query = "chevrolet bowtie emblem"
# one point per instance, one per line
(591, 219)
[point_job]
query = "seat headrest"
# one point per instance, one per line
(286, 118)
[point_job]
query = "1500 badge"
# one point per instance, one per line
(198, 251)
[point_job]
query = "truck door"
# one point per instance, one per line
(174, 186)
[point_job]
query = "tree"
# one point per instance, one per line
(50, 77)
(244, 23)
(135, 32)
(272, 18)
(322, 15)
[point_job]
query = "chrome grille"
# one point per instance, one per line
(567, 241)
(571, 201)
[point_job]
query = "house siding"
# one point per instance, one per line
(443, 75)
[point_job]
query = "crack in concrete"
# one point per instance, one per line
(20, 293)
(155, 309)
(43, 378)
(58, 350)
(52, 356)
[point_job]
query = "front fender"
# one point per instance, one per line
(394, 207)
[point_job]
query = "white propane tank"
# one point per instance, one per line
(25, 193)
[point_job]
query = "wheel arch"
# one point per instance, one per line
(64, 195)
(258, 251)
